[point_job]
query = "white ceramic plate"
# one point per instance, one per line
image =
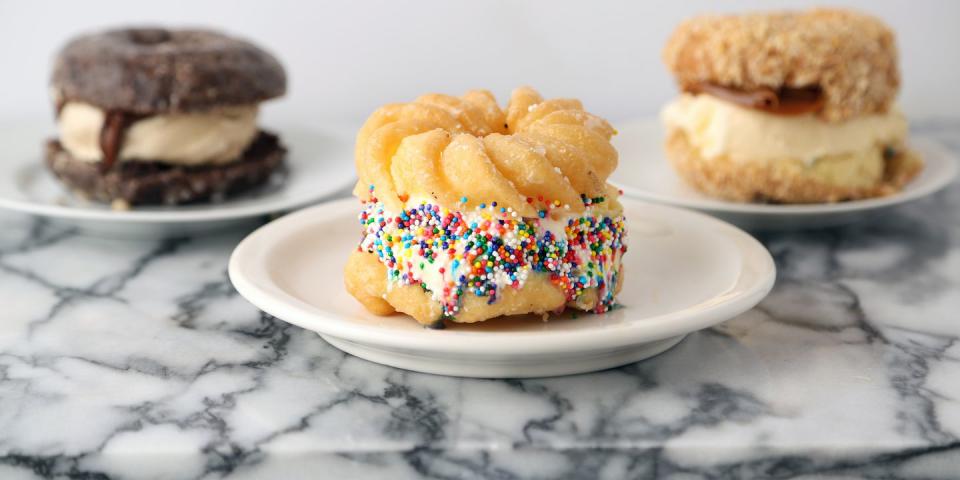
(684, 271)
(320, 164)
(644, 172)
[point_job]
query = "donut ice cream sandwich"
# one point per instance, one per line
(472, 212)
(787, 107)
(157, 116)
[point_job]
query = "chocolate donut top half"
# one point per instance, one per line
(148, 71)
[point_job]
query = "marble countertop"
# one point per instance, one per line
(125, 359)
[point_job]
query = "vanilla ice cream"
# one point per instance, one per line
(718, 128)
(196, 138)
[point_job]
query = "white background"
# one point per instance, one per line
(346, 58)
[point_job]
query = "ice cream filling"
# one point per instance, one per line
(719, 128)
(194, 138)
(487, 249)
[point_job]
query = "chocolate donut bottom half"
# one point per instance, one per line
(158, 183)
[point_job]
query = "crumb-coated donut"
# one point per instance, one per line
(154, 70)
(850, 57)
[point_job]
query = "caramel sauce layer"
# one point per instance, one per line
(783, 101)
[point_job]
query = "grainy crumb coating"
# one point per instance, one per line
(787, 180)
(850, 56)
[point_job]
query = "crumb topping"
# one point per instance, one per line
(850, 56)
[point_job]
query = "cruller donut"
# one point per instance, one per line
(158, 116)
(471, 212)
(790, 107)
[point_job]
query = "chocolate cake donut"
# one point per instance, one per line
(157, 116)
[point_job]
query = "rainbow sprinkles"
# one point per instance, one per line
(490, 248)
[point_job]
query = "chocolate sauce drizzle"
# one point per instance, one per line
(783, 101)
(58, 107)
(115, 125)
(112, 132)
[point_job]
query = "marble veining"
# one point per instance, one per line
(128, 360)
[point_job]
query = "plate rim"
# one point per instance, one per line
(200, 212)
(172, 216)
(272, 299)
(947, 161)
